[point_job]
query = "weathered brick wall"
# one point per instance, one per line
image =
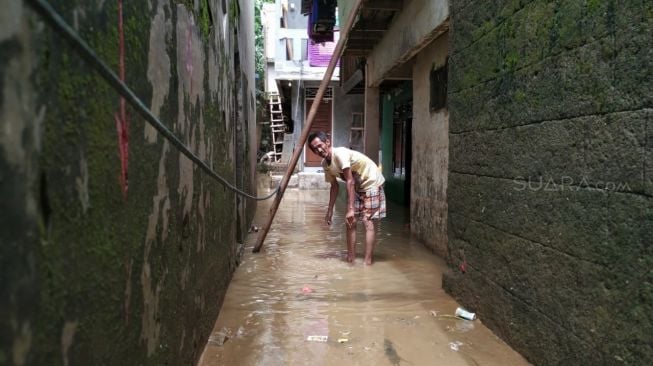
(551, 176)
(91, 274)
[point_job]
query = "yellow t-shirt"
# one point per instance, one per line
(365, 172)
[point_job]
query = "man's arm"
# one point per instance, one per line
(349, 179)
(333, 194)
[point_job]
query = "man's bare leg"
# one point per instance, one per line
(370, 240)
(351, 243)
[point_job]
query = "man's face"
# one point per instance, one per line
(321, 148)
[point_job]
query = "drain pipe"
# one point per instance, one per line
(344, 33)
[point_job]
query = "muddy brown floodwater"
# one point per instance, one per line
(392, 313)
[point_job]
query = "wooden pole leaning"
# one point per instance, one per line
(307, 127)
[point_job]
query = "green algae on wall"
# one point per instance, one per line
(122, 279)
(549, 206)
(205, 18)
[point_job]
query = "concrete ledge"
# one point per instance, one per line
(312, 181)
(276, 179)
(302, 181)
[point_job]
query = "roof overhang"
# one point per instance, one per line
(372, 22)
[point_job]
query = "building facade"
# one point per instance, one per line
(296, 65)
(517, 134)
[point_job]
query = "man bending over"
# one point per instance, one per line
(365, 197)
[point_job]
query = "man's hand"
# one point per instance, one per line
(350, 219)
(328, 216)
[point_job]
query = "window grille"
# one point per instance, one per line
(310, 93)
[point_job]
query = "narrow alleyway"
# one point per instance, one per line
(392, 313)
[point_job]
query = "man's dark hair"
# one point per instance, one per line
(320, 134)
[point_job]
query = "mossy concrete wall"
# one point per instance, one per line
(550, 188)
(99, 267)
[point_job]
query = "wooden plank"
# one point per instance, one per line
(351, 52)
(362, 34)
(354, 80)
(393, 5)
(360, 44)
(372, 26)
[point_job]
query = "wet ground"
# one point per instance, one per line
(297, 302)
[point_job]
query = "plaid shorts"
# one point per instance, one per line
(370, 204)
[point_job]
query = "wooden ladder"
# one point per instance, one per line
(277, 125)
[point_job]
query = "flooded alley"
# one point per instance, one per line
(297, 302)
(514, 138)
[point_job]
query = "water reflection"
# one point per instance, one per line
(299, 285)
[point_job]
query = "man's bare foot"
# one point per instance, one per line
(369, 261)
(351, 258)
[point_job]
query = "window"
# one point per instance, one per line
(289, 50)
(357, 133)
(296, 49)
(304, 50)
(438, 87)
(311, 93)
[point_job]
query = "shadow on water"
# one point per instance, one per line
(298, 302)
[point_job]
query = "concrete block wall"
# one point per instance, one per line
(550, 188)
(97, 267)
(430, 153)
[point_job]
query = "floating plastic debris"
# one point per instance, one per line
(317, 338)
(455, 346)
(220, 337)
(462, 313)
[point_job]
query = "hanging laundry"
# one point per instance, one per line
(321, 21)
(307, 6)
(319, 54)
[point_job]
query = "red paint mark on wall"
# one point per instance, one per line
(122, 122)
